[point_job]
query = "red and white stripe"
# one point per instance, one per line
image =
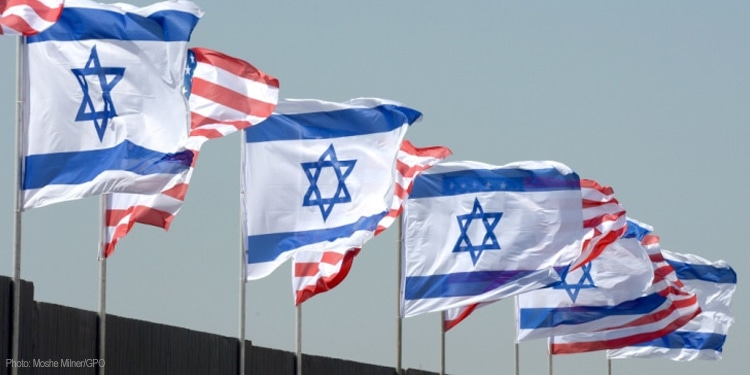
(228, 95)
(28, 17)
(317, 272)
(604, 221)
(677, 310)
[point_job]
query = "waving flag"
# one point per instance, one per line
(474, 232)
(317, 272)
(225, 94)
(603, 222)
(106, 111)
(319, 176)
(704, 336)
(663, 308)
(587, 299)
(28, 17)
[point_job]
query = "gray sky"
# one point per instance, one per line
(648, 97)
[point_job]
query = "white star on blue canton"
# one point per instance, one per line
(190, 66)
(87, 110)
(341, 168)
(489, 241)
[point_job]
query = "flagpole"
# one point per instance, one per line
(442, 343)
(243, 268)
(549, 354)
(242, 294)
(609, 366)
(299, 339)
(398, 297)
(16, 333)
(102, 344)
(549, 363)
(516, 345)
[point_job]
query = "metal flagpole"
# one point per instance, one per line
(102, 344)
(242, 292)
(398, 298)
(516, 346)
(609, 366)
(299, 339)
(549, 354)
(16, 328)
(549, 363)
(442, 343)
(243, 265)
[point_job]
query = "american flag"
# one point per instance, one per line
(317, 272)
(28, 17)
(604, 221)
(226, 94)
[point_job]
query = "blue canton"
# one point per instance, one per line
(489, 242)
(584, 282)
(342, 169)
(189, 71)
(87, 110)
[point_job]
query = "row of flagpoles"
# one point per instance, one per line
(320, 179)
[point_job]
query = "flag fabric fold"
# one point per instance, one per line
(225, 94)
(319, 176)
(704, 336)
(475, 232)
(105, 111)
(663, 308)
(591, 297)
(28, 17)
(316, 272)
(604, 222)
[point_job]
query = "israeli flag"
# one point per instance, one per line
(474, 232)
(319, 176)
(106, 110)
(595, 296)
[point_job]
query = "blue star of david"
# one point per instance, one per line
(489, 242)
(584, 282)
(87, 110)
(342, 169)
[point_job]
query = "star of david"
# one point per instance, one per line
(88, 111)
(341, 169)
(489, 241)
(584, 282)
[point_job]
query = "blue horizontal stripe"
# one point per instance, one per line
(70, 168)
(688, 340)
(459, 284)
(267, 247)
(484, 180)
(331, 124)
(686, 271)
(531, 318)
(97, 24)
